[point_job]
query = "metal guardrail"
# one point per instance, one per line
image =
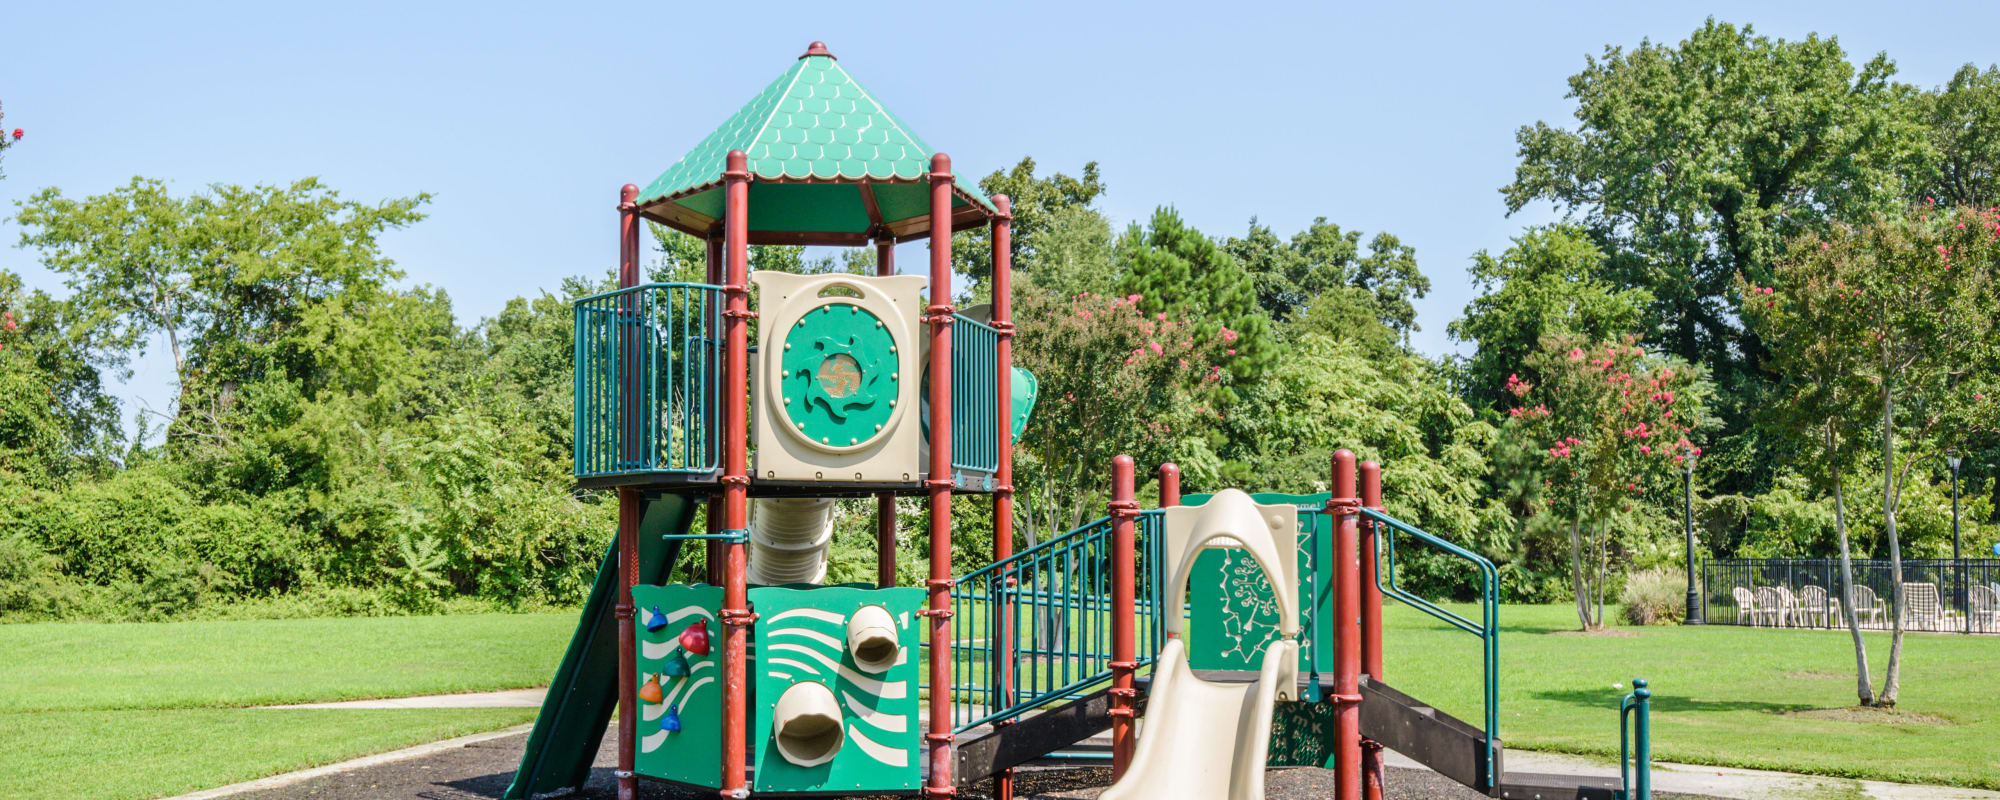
(1487, 629)
(975, 405)
(1635, 743)
(1053, 604)
(646, 361)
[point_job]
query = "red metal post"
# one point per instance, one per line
(1347, 637)
(885, 502)
(736, 616)
(628, 512)
(712, 549)
(939, 484)
(1003, 473)
(1124, 618)
(1170, 485)
(1372, 773)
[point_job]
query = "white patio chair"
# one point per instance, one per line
(1771, 605)
(1815, 610)
(1868, 609)
(1746, 605)
(1923, 611)
(1983, 609)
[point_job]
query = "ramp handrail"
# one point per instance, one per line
(1635, 743)
(1052, 603)
(1487, 629)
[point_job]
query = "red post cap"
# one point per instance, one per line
(818, 49)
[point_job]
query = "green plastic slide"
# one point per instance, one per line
(584, 692)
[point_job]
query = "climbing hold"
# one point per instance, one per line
(695, 638)
(671, 723)
(650, 692)
(677, 665)
(655, 622)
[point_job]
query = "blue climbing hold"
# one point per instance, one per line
(656, 621)
(671, 723)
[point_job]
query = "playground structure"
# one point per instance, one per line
(758, 679)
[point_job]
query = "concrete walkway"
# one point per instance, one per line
(511, 698)
(1747, 784)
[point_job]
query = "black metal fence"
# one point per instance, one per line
(1940, 594)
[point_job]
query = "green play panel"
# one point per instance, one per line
(1235, 615)
(802, 637)
(694, 753)
(840, 376)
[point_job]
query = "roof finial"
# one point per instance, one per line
(818, 49)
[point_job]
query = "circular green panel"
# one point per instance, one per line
(839, 383)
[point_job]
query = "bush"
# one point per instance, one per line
(1655, 597)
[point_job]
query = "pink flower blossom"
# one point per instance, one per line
(1576, 354)
(1155, 347)
(1231, 351)
(1132, 298)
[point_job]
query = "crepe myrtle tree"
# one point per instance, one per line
(1113, 378)
(7, 139)
(1611, 421)
(1885, 338)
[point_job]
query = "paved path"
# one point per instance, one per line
(512, 698)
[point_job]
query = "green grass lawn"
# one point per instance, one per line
(152, 709)
(1722, 695)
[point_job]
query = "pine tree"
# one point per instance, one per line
(1177, 271)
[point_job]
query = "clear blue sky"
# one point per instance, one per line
(525, 119)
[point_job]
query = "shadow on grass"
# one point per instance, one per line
(1665, 703)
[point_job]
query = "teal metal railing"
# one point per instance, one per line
(1053, 603)
(975, 405)
(1487, 628)
(1635, 743)
(646, 362)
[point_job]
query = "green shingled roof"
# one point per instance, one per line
(829, 165)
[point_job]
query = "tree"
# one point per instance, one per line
(1176, 271)
(1892, 319)
(1613, 421)
(1691, 164)
(1964, 126)
(1322, 259)
(241, 282)
(1040, 205)
(8, 139)
(1544, 286)
(1113, 379)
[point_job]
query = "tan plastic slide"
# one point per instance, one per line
(1203, 739)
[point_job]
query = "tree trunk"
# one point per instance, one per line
(1891, 674)
(1576, 576)
(1864, 685)
(1603, 560)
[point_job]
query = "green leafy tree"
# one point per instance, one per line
(1176, 271)
(1613, 421)
(1041, 205)
(1891, 320)
(1113, 379)
(1693, 163)
(1324, 259)
(1545, 285)
(241, 282)
(1964, 125)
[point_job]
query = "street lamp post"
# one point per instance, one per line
(1957, 554)
(1693, 616)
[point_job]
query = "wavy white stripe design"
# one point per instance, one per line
(893, 723)
(882, 753)
(652, 742)
(797, 665)
(830, 617)
(884, 689)
(836, 644)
